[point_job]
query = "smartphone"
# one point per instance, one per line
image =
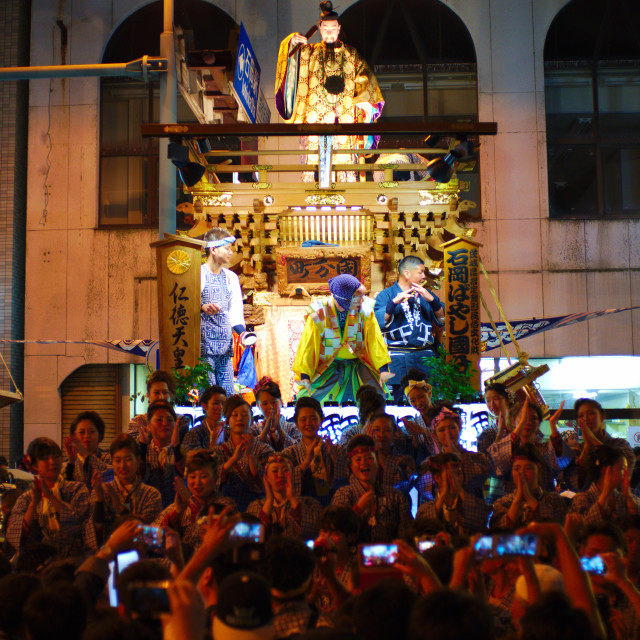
(116, 567)
(247, 531)
(505, 545)
(483, 547)
(378, 555)
(594, 565)
(149, 598)
(512, 544)
(151, 536)
(422, 544)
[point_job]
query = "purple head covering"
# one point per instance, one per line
(343, 287)
(445, 414)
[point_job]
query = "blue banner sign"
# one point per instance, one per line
(246, 80)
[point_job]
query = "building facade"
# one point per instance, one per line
(86, 280)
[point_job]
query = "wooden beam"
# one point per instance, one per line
(195, 130)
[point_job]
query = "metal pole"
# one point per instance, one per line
(168, 113)
(140, 69)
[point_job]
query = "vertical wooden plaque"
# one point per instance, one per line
(178, 260)
(462, 304)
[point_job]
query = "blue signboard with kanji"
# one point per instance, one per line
(246, 80)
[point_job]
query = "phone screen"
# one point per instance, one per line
(248, 531)
(594, 565)
(116, 567)
(484, 547)
(423, 545)
(378, 555)
(506, 545)
(153, 537)
(516, 545)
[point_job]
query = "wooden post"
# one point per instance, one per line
(462, 304)
(178, 260)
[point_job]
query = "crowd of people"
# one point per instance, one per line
(261, 528)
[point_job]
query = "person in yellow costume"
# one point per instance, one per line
(326, 83)
(342, 346)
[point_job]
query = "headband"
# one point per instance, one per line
(261, 383)
(445, 414)
(417, 384)
(361, 449)
(214, 244)
(278, 458)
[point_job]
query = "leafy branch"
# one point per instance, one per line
(448, 381)
(188, 378)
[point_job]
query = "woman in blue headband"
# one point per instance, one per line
(221, 308)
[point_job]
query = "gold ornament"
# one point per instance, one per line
(325, 199)
(178, 262)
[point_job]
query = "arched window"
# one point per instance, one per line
(425, 61)
(128, 162)
(592, 95)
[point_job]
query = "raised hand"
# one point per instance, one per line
(68, 443)
(517, 479)
(412, 427)
(608, 485)
(173, 548)
(522, 419)
(405, 295)
(79, 447)
(421, 291)
(239, 451)
(97, 486)
(332, 449)
(49, 495)
(175, 434)
(264, 431)
(143, 434)
(553, 420)
(454, 483)
(250, 442)
(294, 501)
(183, 495)
(298, 38)
(616, 569)
(216, 535)
(502, 427)
(386, 375)
(268, 491)
(124, 537)
(188, 615)
(527, 493)
(36, 491)
(309, 454)
(365, 501)
(452, 445)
